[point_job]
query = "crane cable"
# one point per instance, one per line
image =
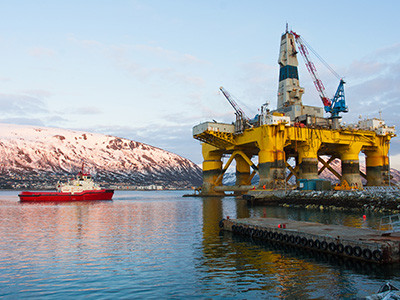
(321, 59)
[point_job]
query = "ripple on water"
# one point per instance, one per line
(158, 244)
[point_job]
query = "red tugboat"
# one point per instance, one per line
(80, 188)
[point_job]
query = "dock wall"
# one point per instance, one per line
(354, 243)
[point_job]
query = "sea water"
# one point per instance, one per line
(161, 245)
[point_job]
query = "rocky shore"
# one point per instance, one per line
(372, 199)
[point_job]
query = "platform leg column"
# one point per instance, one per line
(351, 165)
(278, 169)
(265, 158)
(271, 157)
(272, 173)
(351, 173)
(242, 172)
(308, 159)
(212, 168)
(376, 168)
(386, 170)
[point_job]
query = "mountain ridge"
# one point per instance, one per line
(34, 156)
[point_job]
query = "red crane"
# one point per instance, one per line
(335, 105)
(312, 70)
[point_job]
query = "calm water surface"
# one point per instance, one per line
(160, 245)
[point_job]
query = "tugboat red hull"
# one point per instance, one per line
(93, 195)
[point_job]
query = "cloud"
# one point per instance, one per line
(364, 69)
(372, 87)
(188, 58)
(165, 72)
(171, 55)
(176, 138)
(395, 161)
(57, 119)
(204, 106)
(88, 110)
(38, 93)
(23, 121)
(254, 84)
(378, 64)
(85, 43)
(389, 51)
(162, 64)
(29, 109)
(41, 52)
(21, 104)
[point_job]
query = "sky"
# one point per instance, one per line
(151, 70)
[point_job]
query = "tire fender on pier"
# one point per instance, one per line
(332, 247)
(324, 245)
(348, 250)
(377, 255)
(357, 251)
(367, 254)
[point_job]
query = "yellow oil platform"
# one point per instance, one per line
(296, 131)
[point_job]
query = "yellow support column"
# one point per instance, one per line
(242, 171)
(279, 169)
(308, 159)
(271, 157)
(351, 165)
(212, 168)
(377, 162)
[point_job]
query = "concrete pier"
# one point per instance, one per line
(355, 243)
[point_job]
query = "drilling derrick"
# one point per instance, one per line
(293, 131)
(289, 90)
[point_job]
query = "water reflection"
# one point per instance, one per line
(255, 268)
(160, 245)
(283, 271)
(351, 218)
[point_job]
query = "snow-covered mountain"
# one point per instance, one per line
(32, 156)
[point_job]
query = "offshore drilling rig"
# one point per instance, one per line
(296, 131)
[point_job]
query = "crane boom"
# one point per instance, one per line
(313, 71)
(239, 112)
(335, 105)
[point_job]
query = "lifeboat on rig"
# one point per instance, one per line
(80, 188)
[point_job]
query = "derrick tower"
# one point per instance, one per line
(293, 130)
(289, 90)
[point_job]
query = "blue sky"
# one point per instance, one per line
(151, 70)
